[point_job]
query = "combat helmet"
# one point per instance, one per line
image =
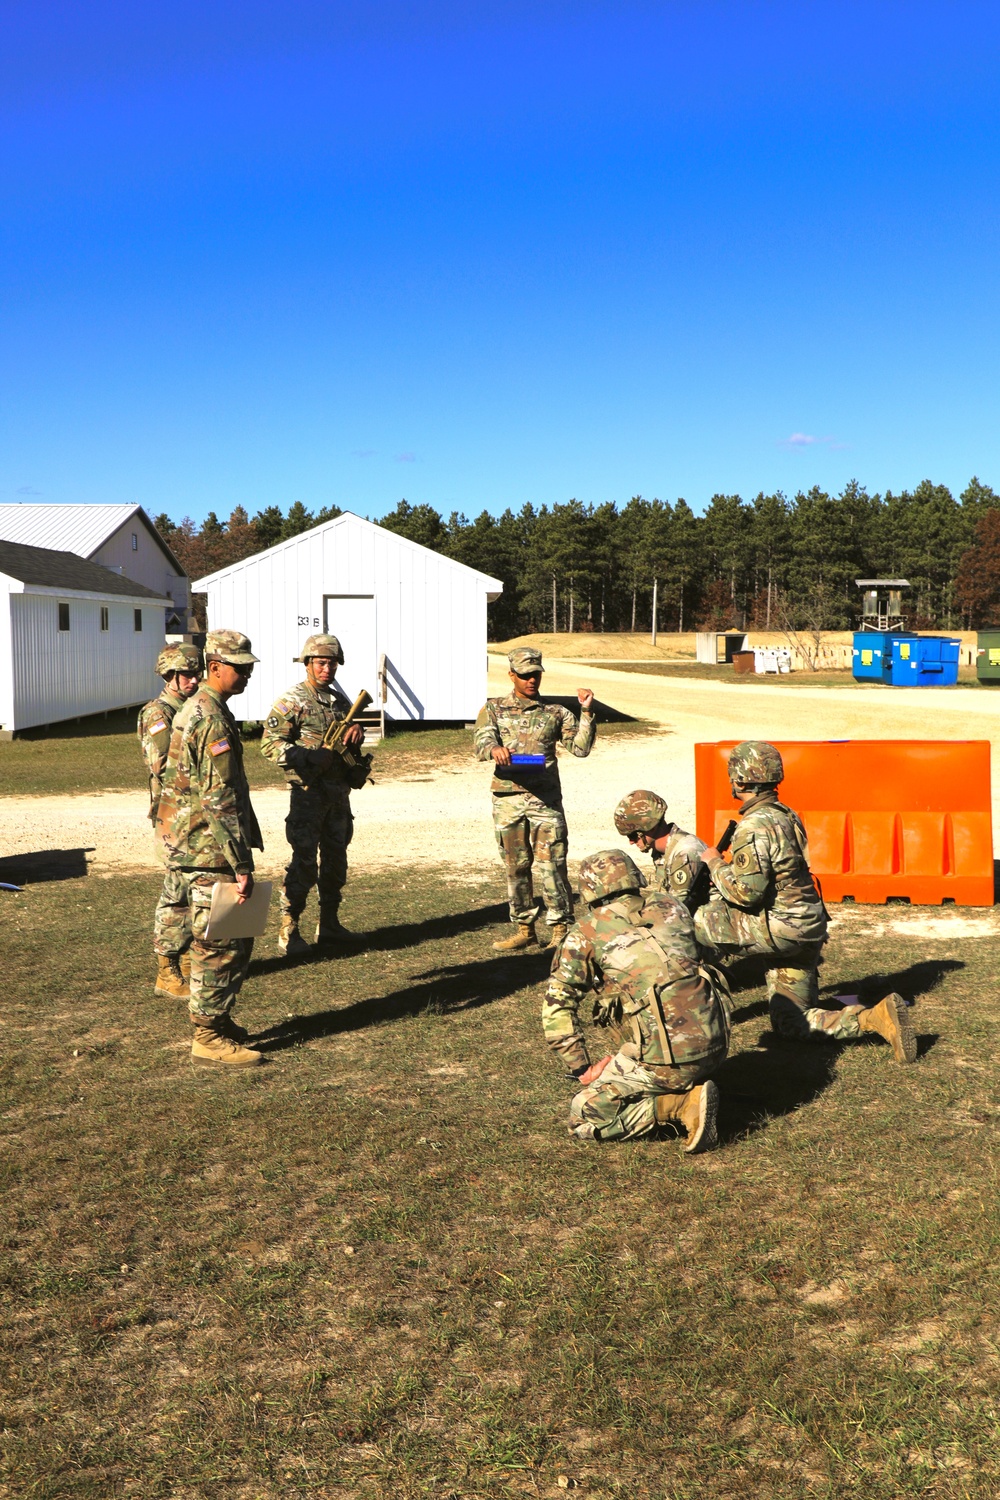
(639, 812)
(755, 763)
(179, 658)
(608, 874)
(322, 645)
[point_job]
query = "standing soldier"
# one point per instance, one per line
(641, 817)
(319, 816)
(766, 903)
(636, 952)
(527, 800)
(180, 668)
(206, 830)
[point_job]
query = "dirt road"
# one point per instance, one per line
(443, 819)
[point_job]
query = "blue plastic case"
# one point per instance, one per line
(536, 761)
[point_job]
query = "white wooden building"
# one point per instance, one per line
(75, 638)
(119, 537)
(408, 618)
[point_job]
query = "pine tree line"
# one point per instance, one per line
(766, 563)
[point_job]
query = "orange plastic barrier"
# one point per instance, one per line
(885, 818)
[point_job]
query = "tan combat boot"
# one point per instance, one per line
(523, 938)
(557, 934)
(890, 1019)
(695, 1112)
(290, 940)
(169, 979)
(211, 1044)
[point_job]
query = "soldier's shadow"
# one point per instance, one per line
(403, 935)
(453, 987)
(780, 1076)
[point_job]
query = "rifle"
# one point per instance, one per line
(358, 766)
(698, 894)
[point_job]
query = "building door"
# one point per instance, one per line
(351, 618)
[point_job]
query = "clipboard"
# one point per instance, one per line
(229, 918)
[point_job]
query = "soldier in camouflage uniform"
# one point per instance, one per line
(635, 951)
(527, 800)
(206, 829)
(180, 668)
(319, 818)
(766, 903)
(641, 818)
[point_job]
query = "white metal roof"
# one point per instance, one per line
(65, 528)
(493, 586)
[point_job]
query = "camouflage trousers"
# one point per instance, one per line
(621, 1104)
(319, 828)
(530, 832)
(172, 918)
(217, 969)
(727, 932)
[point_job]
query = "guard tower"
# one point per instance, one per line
(881, 602)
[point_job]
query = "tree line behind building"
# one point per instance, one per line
(769, 562)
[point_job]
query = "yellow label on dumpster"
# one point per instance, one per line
(866, 658)
(904, 650)
(993, 653)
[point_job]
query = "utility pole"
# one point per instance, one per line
(655, 587)
(555, 623)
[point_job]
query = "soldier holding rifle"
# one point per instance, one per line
(320, 824)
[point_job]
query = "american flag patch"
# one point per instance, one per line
(219, 747)
(155, 728)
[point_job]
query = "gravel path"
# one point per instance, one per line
(443, 818)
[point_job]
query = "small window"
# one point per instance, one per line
(138, 619)
(135, 546)
(64, 617)
(104, 617)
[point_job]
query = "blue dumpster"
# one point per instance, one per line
(872, 655)
(924, 661)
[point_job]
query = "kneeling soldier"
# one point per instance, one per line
(766, 903)
(180, 668)
(635, 952)
(641, 818)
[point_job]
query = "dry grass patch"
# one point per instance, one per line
(378, 1266)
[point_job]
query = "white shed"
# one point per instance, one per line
(75, 638)
(119, 537)
(392, 603)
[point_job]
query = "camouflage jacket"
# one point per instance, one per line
(676, 869)
(530, 726)
(204, 820)
(637, 955)
(153, 731)
(295, 728)
(770, 870)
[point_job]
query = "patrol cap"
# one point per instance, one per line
(230, 647)
(639, 812)
(180, 658)
(609, 873)
(321, 645)
(755, 763)
(524, 660)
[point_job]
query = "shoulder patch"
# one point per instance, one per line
(273, 721)
(158, 727)
(745, 861)
(218, 747)
(681, 876)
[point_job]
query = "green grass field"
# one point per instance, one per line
(378, 1266)
(100, 755)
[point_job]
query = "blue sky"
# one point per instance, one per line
(481, 255)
